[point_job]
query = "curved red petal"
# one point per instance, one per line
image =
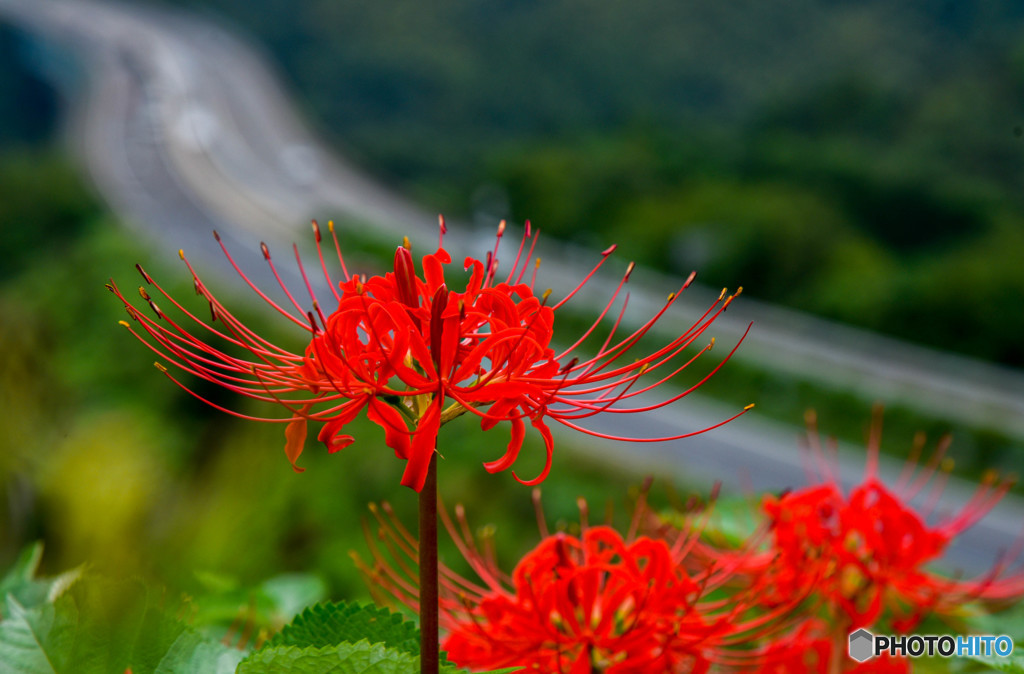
(549, 446)
(433, 272)
(512, 453)
(424, 444)
(396, 433)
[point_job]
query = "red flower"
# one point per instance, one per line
(597, 602)
(865, 553)
(415, 354)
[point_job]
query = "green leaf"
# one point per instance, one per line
(24, 570)
(335, 637)
(37, 640)
(21, 582)
(982, 620)
(126, 623)
(332, 624)
(347, 658)
(1014, 664)
(101, 626)
(192, 654)
(357, 658)
(267, 607)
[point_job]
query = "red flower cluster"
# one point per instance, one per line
(864, 554)
(597, 602)
(825, 563)
(594, 603)
(415, 353)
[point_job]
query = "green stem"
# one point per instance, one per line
(429, 638)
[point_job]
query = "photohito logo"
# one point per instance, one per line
(864, 645)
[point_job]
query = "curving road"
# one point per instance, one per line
(185, 129)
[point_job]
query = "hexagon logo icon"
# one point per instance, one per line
(862, 645)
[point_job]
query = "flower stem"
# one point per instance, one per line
(429, 646)
(839, 653)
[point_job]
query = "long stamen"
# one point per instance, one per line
(529, 256)
(604, 256)
(519, 253)
(323, 264)
(668, 438)
(492, 258)
(305, 279)
(337, 247)
(284, 288)
(255, 289)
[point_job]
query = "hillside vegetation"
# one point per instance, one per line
(862, 161)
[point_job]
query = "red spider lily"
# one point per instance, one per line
(597, 602)
(415, 354)
(864, 554)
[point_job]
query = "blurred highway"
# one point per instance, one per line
(186, 129)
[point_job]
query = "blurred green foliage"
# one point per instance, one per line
(861, 161)
(83, 622)
(932, 260)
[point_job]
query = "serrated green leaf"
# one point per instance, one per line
(1014, 664)
(357, 658)
(37, 640)
(348, 658)
(325, 628)
(332, 624)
